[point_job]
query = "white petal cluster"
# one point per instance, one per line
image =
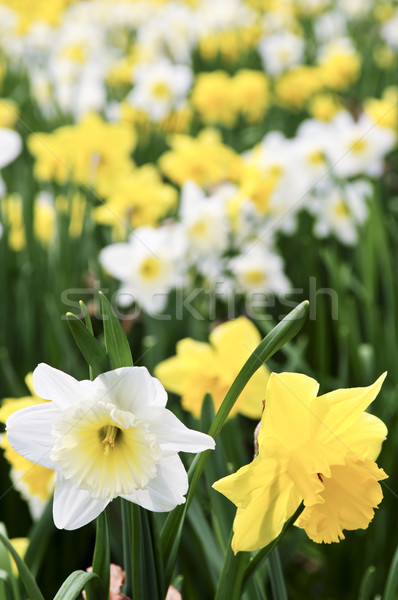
(105, 438)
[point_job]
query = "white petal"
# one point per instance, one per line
(29, 433)
(55, 385)
(10, 146)
(130, 388)
(117, 259)
(172, 435)
(165, 491)
(74, 507)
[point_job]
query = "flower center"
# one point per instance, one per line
(316, 158)
(199, 229)
(161, 90)
(150, 268)
(255, 277)
(341, 210)
(359, 146)
(105, 450)
(111, 434)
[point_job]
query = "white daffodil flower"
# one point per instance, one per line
(10, 146)
(149, 265)
(105, 438)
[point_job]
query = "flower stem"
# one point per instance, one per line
(276, 576)
(102, 558)
(127, 557)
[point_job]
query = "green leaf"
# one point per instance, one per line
(116, 342)
(280, 335)
(5, 587)
(146, 560)
(76, 582)
(88, 345)
(231, 578)
(367, 584)
(239, 568)
(391, 587)
(5, 561)
(127, 550)
(147, 580)
(87, 318)
(39, 537)
(24, 573)
(89, 327)
(6, 566)
(278, 585)
(102, 553)
(261, 555)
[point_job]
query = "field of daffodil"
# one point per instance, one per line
(198, 299)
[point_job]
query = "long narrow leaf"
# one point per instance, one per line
(145, 577)
(5, 586)
(391, 586)
(278, 585)
(88, 345)
(6, 566)
(367, 584)
(282, 333)
(75, 583)
(24, 573)
(102, 552)
(230, 582)
(127, 550)
(117, 346)
(39, 537)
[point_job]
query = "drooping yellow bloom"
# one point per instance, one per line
(295, 87)
(213, 96)
(319, 450)
(340, 66)
(200, 368)
(204, 159)
(230, 44)
(251, 89)
(140, 198)
(92, 152)
(384, 110)
(324, 106)
(34, 482)
(33, 11)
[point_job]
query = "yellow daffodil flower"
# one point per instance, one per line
(200, 368)
(204, 159)
(316, 450)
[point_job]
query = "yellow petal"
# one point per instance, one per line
(350, 496)
(248, 481)
(256, 525)
(288, 408)
(234, 341)
(191, 356)
(250, 402)
(364, 438)
(344, 407)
